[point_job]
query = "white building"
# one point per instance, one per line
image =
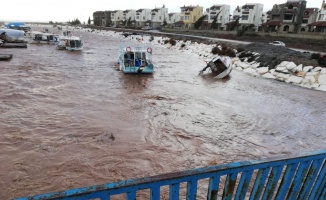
(322, 14)
(173, 18)
(129, 15)
(143, 17)
(221, 11)
(250, 14)
(158, 15)
(117, 18)
(320, 24)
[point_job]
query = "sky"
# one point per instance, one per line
(68, 10)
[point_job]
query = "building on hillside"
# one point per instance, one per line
(286, 17)
(218, 12)
(128, 17)
(172, 19)
(143, 17)
(189, 15)
(249, 16)
(158, 16)
(320, 24)
(117, 18)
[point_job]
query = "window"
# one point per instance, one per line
(245, 17)
(160, 18)
(212, 17)
(235, 17)
(137, 17)
(305, 21)
(288, 17)
(321, 17)
(143, 17)
(187, 18)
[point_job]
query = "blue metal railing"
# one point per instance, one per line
(301, 177)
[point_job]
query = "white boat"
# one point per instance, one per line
(134, 59)
(67, 41)
(12, 35)
(43, 38)
(221, 66)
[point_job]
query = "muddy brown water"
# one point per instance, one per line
(71, 119)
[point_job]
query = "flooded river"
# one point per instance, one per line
(71, 119)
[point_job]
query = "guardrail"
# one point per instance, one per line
(301, 177)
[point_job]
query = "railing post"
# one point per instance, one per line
(191, 190)
(174, 191)
(213, 188)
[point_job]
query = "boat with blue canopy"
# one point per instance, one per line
(135, 58)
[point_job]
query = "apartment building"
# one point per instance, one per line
(309, 16)
(117, 18)
(143, 17)
(158, 16)
(249, 15)
(190, 14)
(320, 24)
(99, 18)
(220, 12)
(128, 18)
(173, 18)
(287, 17)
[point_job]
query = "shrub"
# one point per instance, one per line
(216, 50)
(172, 42)
(224, 47)
(240, 49)
(229, 52)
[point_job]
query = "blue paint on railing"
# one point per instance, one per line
(300, 177)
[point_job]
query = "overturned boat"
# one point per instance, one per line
(221, 66)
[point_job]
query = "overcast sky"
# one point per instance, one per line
(68, 10)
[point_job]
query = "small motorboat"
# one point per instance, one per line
(67, 41)
(134, 59)
(5, 57)
(221, 66)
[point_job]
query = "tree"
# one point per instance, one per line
(235, 23)
(89, 21)
(199, 21)
(128, 23)
(214, 24)
(75, 22)
(164, 23)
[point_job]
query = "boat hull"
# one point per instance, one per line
(138, 70)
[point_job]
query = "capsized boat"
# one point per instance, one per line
(221, 66)
(135, 58)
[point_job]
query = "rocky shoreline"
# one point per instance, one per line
(267, 61)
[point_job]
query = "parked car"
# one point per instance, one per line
(147, 28)
(277, 43)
